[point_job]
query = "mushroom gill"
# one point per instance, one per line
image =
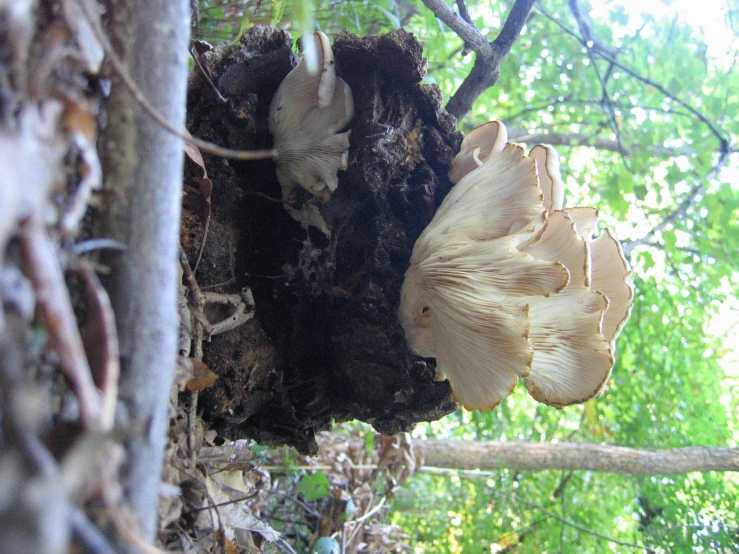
(504, 284)
(306, 116)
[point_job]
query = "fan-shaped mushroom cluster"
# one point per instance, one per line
(306, 116)
(505, 284)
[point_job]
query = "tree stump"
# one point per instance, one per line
(325, 344)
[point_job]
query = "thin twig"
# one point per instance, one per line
(206, 74)
(94, 541)
(681, 210)
(573, 524)
(464, 12)
(606, 101)
(129, 533)
(470, 34)
(86, 246)
(592, 141)
(104, 352)
(55, 306)
(91, 177)
(141, 99)
(724, 142)
(196, 307)
(266, 197)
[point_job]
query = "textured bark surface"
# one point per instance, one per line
(142, 163)
(326, 344)
(527, 456)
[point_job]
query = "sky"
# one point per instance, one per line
(710, 16)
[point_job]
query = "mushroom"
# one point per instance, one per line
(504, 284)
(306, 116)
(476, 147)
(550, 181)
(611, 274)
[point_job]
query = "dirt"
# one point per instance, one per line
(325, 344)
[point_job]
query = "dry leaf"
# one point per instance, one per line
(203, 377)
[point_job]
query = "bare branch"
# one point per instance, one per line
(723, 141)
(573, 524)
(444, 456)
(463, 12)
(585, 25)
(606, 101)
(489, 55)
(471, 36)
(594, 141)
(101, 343)
(678, 212)
(55, 306)
(142, 163)
(513, 26)
(533, 456)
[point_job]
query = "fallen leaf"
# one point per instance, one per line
(202, 378)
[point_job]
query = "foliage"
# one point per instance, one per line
(666, 93)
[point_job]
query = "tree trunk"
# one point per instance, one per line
(527, 456)
(143, 177)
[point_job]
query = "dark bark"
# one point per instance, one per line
(488, 55)
(143, 178)
(325, 344)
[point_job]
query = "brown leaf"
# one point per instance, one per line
(193, 152)
(100, 339)
(203, 377)
(78, 119)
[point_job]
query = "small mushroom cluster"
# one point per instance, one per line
(505, 284)
(306, 116)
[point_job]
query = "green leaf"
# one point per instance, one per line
(278, 10)
(314, 486)
(326, 545)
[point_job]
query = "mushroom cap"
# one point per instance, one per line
(612, 277)
(550, 179)
(572, 358)
(504, 284)
(476, 147)
(611, 273)
(305, 117)
(501, 197)
(464, 298)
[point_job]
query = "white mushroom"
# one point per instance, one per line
(306, 117)
(477, 146)
(550, 181)
(503, 284)
(611, 274)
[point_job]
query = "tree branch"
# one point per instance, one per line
(454, 455)
(463, 12)
(488, 55)
(471, 36)
(579, 139)
(573, 524)
(723, 141)
(680, 211)
(606, 101)
(532, 456)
